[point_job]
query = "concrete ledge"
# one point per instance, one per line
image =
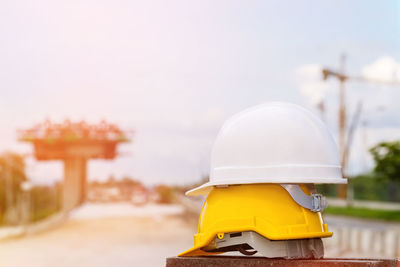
(224, 261)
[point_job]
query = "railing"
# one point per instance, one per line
(363, 242)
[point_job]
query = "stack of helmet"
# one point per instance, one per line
(261, 195)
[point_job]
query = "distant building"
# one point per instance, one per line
(114, 191)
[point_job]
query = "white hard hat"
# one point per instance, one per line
(273, 143)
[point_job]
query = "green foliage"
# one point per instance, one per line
(12, 174)
(365, 187)
(128, 181)
(166, 194)
(369, 187)
(329, 190)
(387, 215)
(387, 159)
(387, 166)
(46, 200)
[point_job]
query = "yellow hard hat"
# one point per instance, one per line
(267, 209)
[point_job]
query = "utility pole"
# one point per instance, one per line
(342, 111)
(342, 188)
(321, 108)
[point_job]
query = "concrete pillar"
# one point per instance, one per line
(74, 182)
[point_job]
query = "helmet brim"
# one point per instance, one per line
(204, 189)
(196, 251)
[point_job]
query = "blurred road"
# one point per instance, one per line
(124, 235)
(343, 221)
(105, 235)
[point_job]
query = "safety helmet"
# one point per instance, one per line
(261, 195)
(266, 209)
(273, 143)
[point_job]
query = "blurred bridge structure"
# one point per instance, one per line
(74, 144)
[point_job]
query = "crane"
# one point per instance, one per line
(344, 143)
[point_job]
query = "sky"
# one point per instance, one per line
(173, 71)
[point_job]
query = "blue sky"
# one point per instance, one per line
(173, 71)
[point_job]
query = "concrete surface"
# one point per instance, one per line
(218, 261)
(105, 235)
(125, 235)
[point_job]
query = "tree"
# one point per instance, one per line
(12, 174)
(387, 165)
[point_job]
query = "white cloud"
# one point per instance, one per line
(383, 69)
(310, 82)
